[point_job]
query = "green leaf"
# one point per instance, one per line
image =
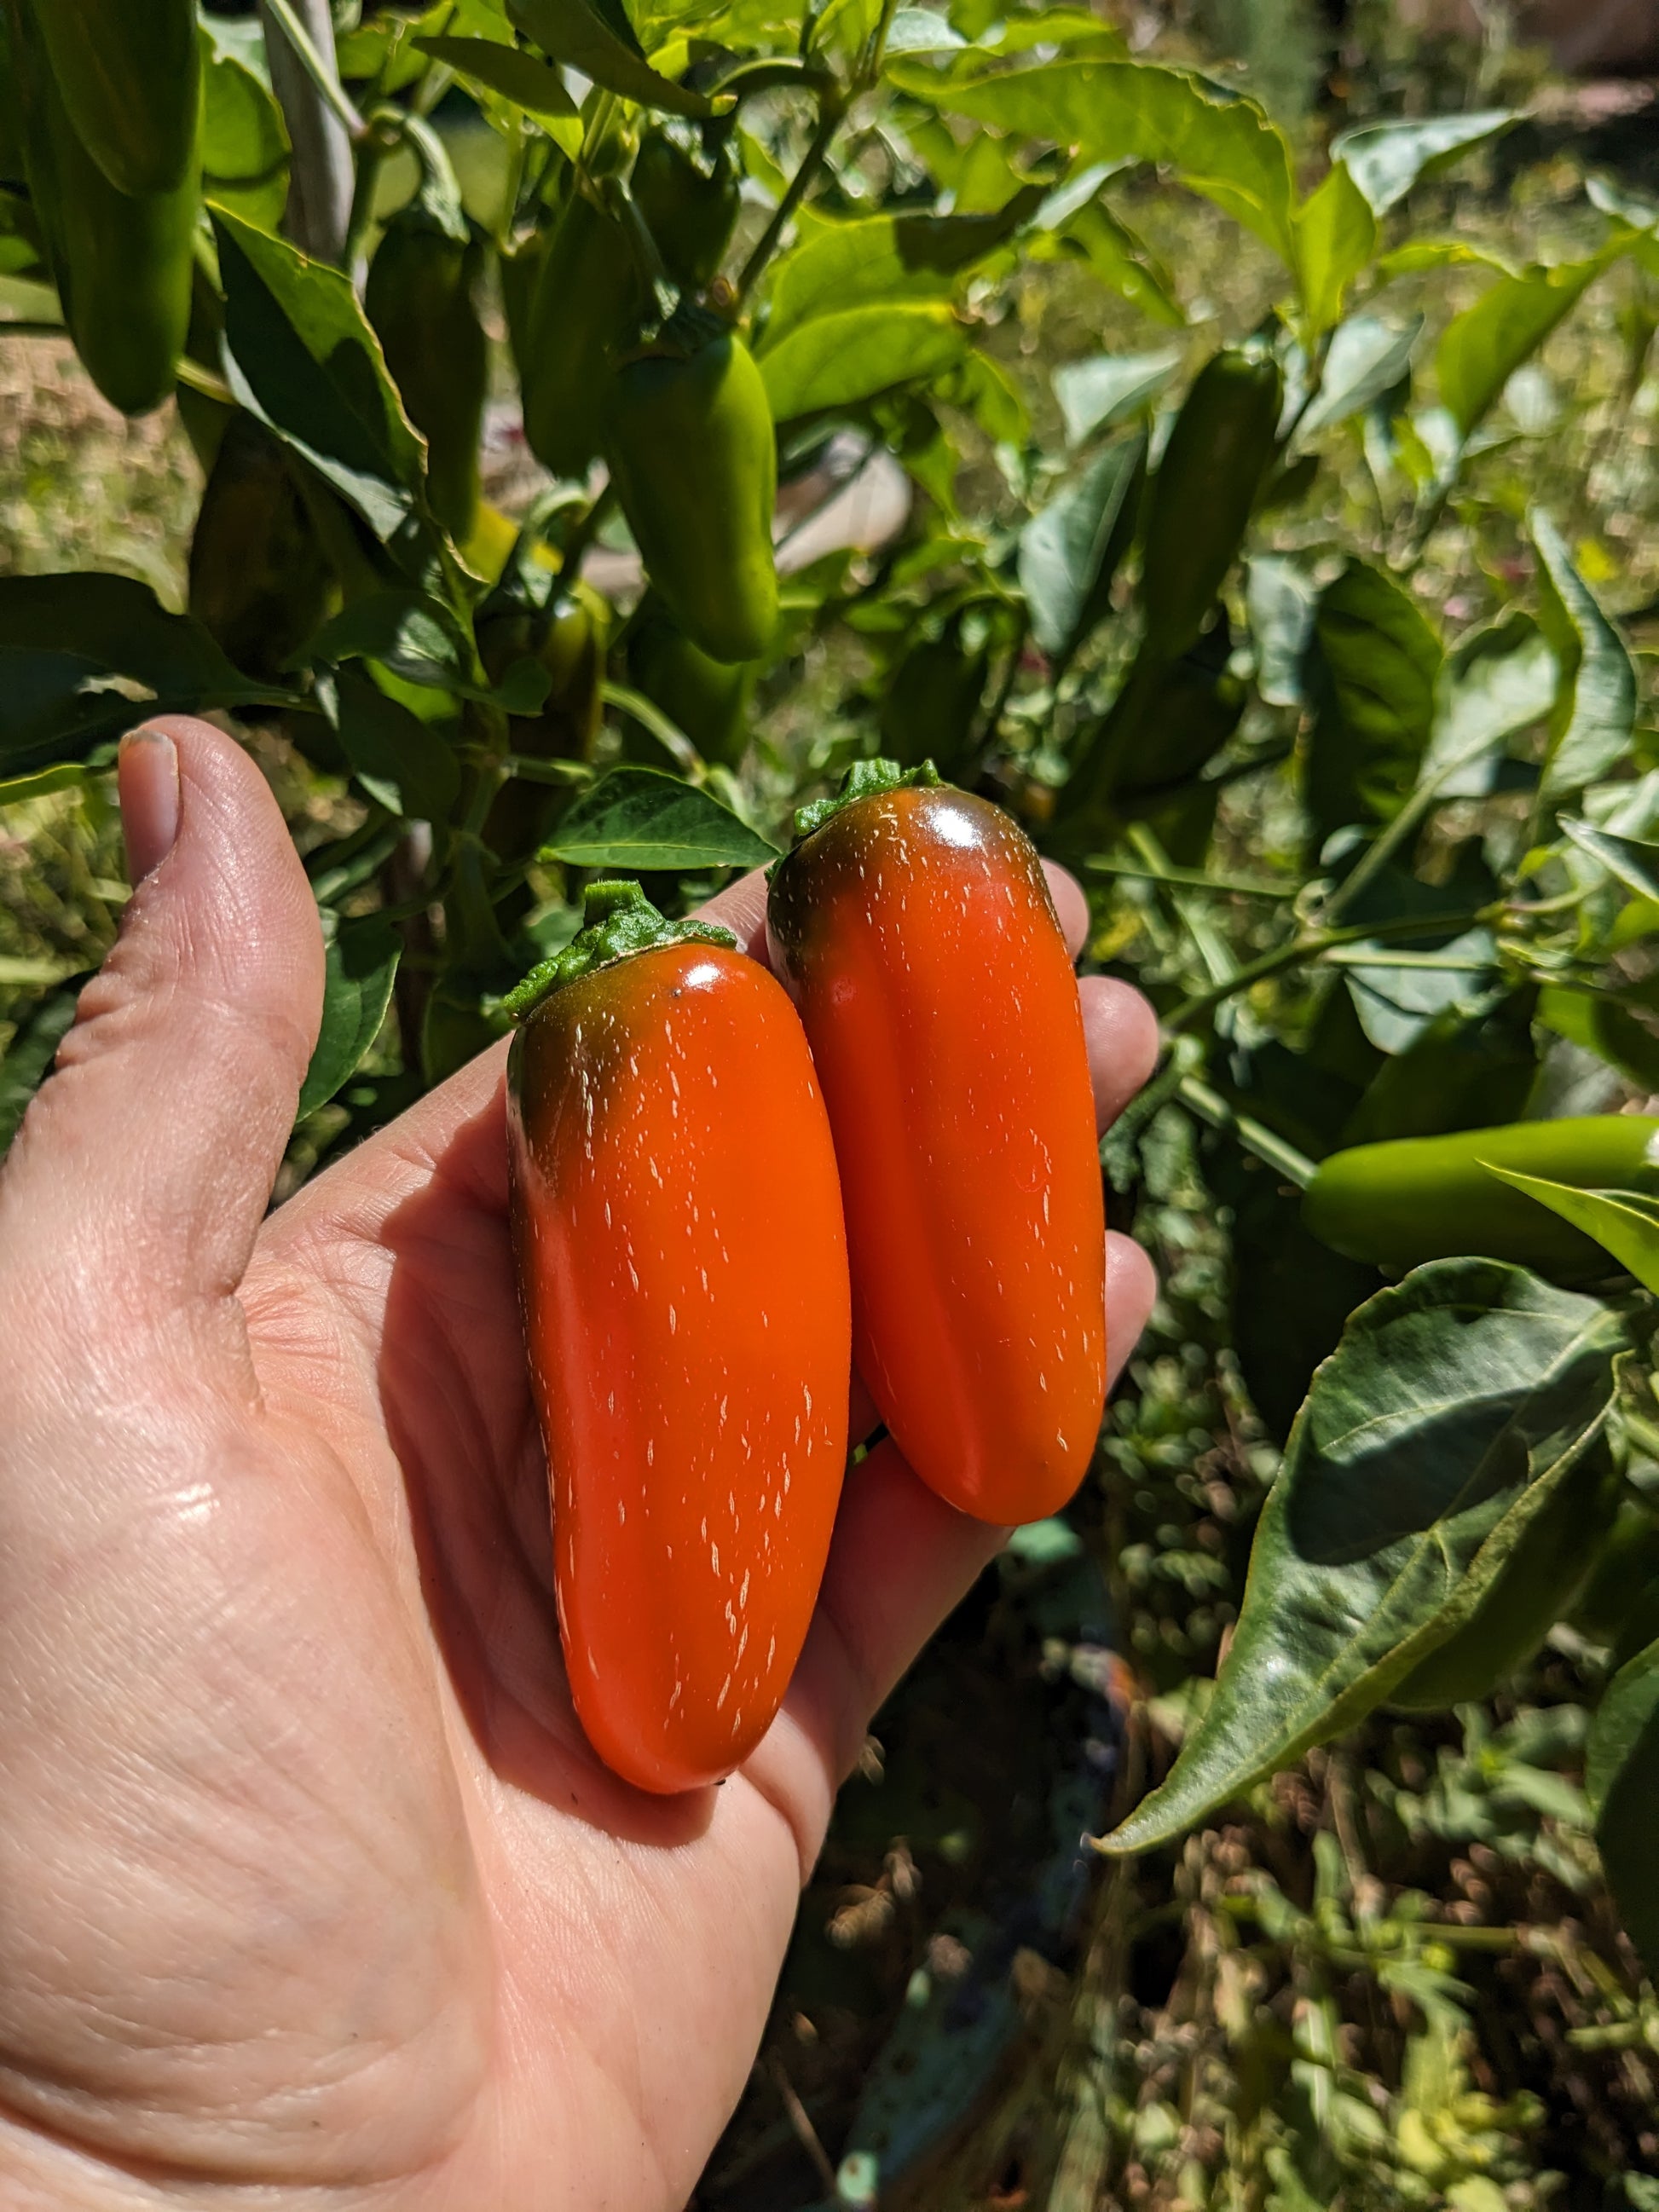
(402, 761)
(1109, 388)
(26, 1061)
(1621, 1779)
(921, 31)
(407, 630)
(1218, 143)
(1621, 1222)
(85, 657)
(581, 36)
(1455, 1406)
(362, 967)
(1281, 600)
(1372, 669)
(1632, 861)
(640, 818)
(244, 143)
(534, 86)
(838, 266)
(1494, 684)
(837, 361)
(1069, 553)
(1481, 348)
(1365, 361)
(1123, 261)
(1336, 236)
(44, 780)
(299, 354)
(1385, 160)
(1594, 716)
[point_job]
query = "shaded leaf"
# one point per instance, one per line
(1109, 388)
(1631, 861)
(1069, 553)
(1365, 360)
(85, 657)
(299, 356)
(1455, 1406)
(1281, 600)
(402, 761)
(534, 86)
(1371, 668)
(570, 31)
(640, 818)
(839, 360)
(1596, 712)
(1385, 160)
(1621, 1779)
(362, 967)
(1493, 683)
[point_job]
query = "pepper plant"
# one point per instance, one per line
(1389, 871)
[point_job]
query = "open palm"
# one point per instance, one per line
(307, 1877)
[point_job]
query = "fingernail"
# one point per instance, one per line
(147, 775)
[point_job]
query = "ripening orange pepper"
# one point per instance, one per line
(913, 926)
(682, 1271)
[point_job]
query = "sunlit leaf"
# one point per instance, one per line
(1595, 713)
(640, 818)
(1386, 159)
(836, 361)
(1109, 388)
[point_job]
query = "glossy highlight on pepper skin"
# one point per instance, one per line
(916, 935)
(683, 1269)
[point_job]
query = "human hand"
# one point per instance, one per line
(309, 1882)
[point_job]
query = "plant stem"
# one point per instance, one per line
(1274, 1151)
(1405, 824)
(322, 126)
(1301, 949)
(830, 111)
(1192, 878)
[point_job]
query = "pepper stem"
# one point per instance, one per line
(617, 921)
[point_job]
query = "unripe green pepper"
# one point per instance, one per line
(689, 436)
(520, 270)
(1430, 1198)
(421, 298)
(1201, 497)
(258, 580)
(586, 304)
(687, 184)
(707, 700)
(130, 72)
(122, 262)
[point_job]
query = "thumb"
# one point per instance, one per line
(146, 1163)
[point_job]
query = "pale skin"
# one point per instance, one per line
(311, 1894)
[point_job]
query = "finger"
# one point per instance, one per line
(150, 1155)
(1121, 1031)
(741, 907)
(901, 1557)
(1071, 907)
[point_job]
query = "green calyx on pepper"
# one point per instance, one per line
(422, 300)
(617, 921)
(693, 455)
(865, 779)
